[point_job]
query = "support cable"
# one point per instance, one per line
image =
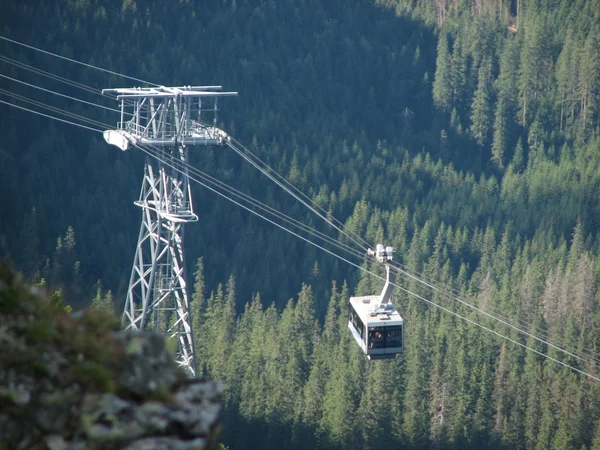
(419, 277)
(61, 95)
(471, 321)
(583, 356)
(50, 75)
(51, 117)
(4, 38)
(293, 191)
(53, 109)
(64, 80)
(429, 285)
(256, 203)
(521, 329)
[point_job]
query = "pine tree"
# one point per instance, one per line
(304, 320)
(442, 87)
(547, 422)
(589, 85)
(255, 346)
(224, 337)
(337, 422)
(518, 160)
(207, 351)
(483, 413)
(532, 378)
(103, 302)
(439, 388)
(567, 66)
(415, 427)
(500, 134)
(481, 108)
(596, 440)
(458, 79)
(373, 416)
(197, 312)
(506, 86)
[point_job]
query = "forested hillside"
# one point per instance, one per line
(463, 133)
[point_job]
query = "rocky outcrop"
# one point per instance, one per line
(74, 381)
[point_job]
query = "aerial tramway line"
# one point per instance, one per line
(170, 120)
(163, 127)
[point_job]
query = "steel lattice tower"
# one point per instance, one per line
(165, 122)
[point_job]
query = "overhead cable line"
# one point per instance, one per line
(61, 95)
(279, 225)
(256, 203)
(489, 315)
(51, 117)
(75, 61)
(471, 321)
(525, 332)
(490, 330)
(520, 327)
(50, 75)
(60, 79)
(282, 182)
(293, 191)
(53, 109)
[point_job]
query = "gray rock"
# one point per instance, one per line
(70, 382)
(145, 366)
(167, 444)
(155, 407)
(55, 442)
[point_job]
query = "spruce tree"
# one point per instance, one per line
(198, 315)
(481, 108)
(505, 110)
(567, 66)
(442, 83)
(458, 74)
(589, 86)
(373, 415)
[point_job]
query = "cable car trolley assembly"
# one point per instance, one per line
(375, 324)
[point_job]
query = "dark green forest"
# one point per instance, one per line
(465, 133)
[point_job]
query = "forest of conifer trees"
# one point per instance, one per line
(463, 133)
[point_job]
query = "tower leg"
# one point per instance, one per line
(157, 297)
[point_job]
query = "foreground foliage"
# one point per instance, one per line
(71, 381)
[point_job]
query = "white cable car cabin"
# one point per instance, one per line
(375, 324)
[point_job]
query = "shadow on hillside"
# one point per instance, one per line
(251, 434)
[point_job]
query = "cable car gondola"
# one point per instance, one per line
(375, 324)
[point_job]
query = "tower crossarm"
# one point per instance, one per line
(166, 116)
